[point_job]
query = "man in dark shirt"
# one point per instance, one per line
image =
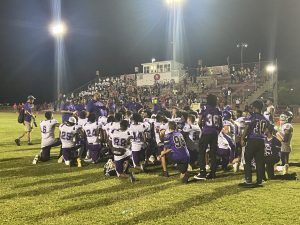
(254, 134)
(95, 106)
(28, 119)
(211, 123)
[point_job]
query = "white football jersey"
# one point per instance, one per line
(102, 120)
(67, 135)
(47, 132)
(120, 139)
(286, 144)
(113, 126)
(193, 130)
(92, 132)
(81, 122)
(137, 132)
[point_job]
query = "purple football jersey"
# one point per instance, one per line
(175, 141)
(211, 120)
(257, 125)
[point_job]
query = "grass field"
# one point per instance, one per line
(51, 193)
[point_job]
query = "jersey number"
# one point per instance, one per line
(66, 136)
(120, 142)
(212, 120)
(179, 141)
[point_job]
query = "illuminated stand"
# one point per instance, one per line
(161, 72)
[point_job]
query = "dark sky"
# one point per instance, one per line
(116, 35)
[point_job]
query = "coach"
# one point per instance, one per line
(28, 119)
(95, 106)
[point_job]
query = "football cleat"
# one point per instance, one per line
(18, 142)
(210, 176)
(207, 167)
(190, 168)
(68, 162)
(35, 160)
(30, 143)
(236, 167)
(152, 159)
(79, 162)
(247, 185)
(285, 169)
(60, 159)
(88, 161)
(200, 176)
(131, 177)
(164, 174)
(185, 178)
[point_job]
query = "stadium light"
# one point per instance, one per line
(242, 45)
(173, 2)
(153, 60)
(58, 29)
(271, 68)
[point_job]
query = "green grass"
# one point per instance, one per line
(51, 193)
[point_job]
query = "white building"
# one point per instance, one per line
(163, 71)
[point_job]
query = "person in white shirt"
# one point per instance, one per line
(270, 112)
(69, 132)
(48, 139)
(285, 135)
(92, 133)
(192, 133)
(137, 131)
(120, 145)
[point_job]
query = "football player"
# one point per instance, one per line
(254, 131)
(69, 133)
(120, 145)
(92, 133)
(137, 131)
(272, 151)
(48, 138)
(176, 151)
(285, 135)
(211, 122)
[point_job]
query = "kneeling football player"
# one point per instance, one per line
(120, 145)
(48, 138)
(176, 151)
(69, 133)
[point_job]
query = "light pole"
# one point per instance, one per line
(58, 30)
(174, 5)
(242, 45)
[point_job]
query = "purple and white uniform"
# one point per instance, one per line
(137, 131)
(68, 141)
(93, 142)
(175, 141)
(257, 125)
(211, 120)
(120, 139)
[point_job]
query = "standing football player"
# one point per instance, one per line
(285, 136)
(254, 131)
(211, 122)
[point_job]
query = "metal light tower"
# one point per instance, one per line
(242, 45)
(174, 6)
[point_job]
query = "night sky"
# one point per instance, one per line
(115, 35)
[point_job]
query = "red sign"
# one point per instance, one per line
(157, 77)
